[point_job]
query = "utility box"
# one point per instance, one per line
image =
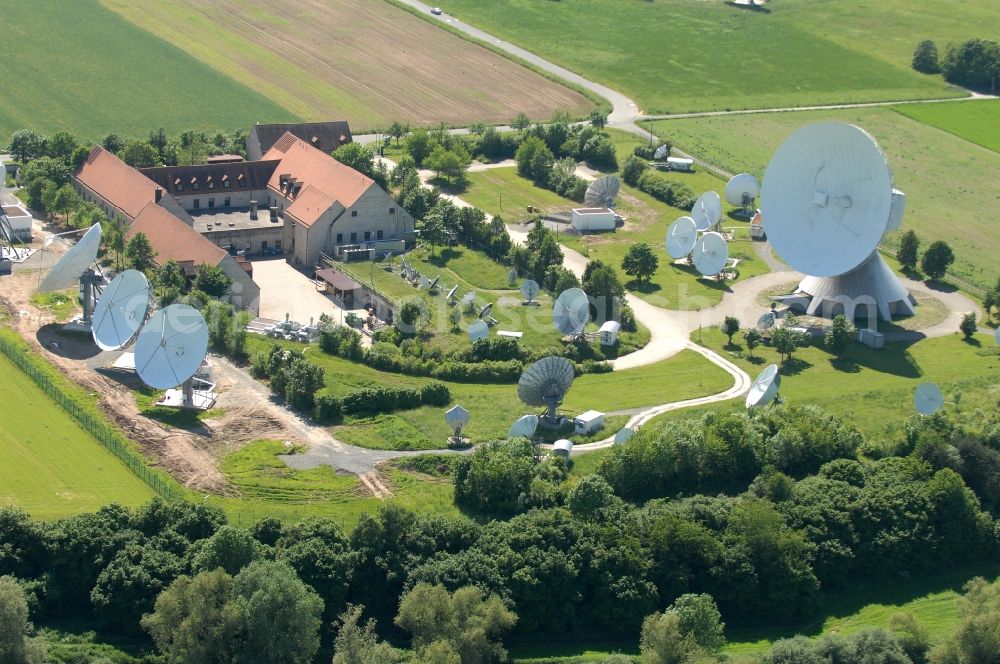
(589, 422)
(593, 219)
(871, 338)
(609, 333)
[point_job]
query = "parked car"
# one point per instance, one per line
(436, 11)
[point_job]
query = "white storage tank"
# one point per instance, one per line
(593, 219)
(609, 333)
(562, 448)
(588, 423)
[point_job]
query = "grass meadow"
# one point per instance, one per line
(49, 466)
(950, 183)
(978, 122)
(77, 66)
(676, 56)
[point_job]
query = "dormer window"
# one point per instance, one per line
(178, 185)
(242, 180)
(225, 181)
(211, 183)
(194, 184)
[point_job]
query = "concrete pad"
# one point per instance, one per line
(285, 290)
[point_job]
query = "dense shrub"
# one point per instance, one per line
(676, 194)
(435, 394)
(329, 408)
(496, 348)
(380, 399)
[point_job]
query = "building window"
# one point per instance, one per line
(194, 186)
(263, 246)
(354, 238)
(226, 202)
(225, 184)
(368, 235)
(354, 213)
(378, 235)
(392, 210)
(211, 202)
(277, 244)
(211, 185)
(340, 238)
(197, 204)
(180, 187)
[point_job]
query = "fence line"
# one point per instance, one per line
(105, 434)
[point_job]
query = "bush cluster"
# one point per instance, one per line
(386, 398)
(676, 194)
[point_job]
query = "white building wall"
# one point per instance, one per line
(244, 292)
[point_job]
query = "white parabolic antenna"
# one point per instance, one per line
(486, 310)
(529, 289)
(603, 191)
(456, 417)
(681, 237)
(478, 330)
(121, 310)
(707, 210)
(741, 188)
(624, 435)
(827, 200)
(764, 388)
(928, 398)
(523, 427)
(660, 152)
(571, 311)
(545, 383)
(74, 262)
(766, 321)
(469, 297)
(451, 293)
(710, 254)
(434, 282)
(171, 346)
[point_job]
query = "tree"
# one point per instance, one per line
(547, 255)
(362, 159)
(909, 243)
(411, 315)
(937, 259)
(449, 164)
(534, 159)
(925, 58)
(139, 154)
(113, 237)
(139, 253)
(357, 644)
(26, 145)
(478, 128)
(968, 325)
(974, 63)
(598, 118)
(663, 642)
(633, 170)
(699, 619)
(62, 145)
(601, 283)
(113, 142)
(785, 341)
(127, 587)
(397, 130)
(990, 301)
(170, 281)
(230, 549)
(977, 638)
(433, 228)
(212, 280)
(590, 495)
(840, 335)
(912, 636)
(730, 326)
(640, 262)
(521, 122)
(753, 338)
(419, 145)
(471, 624)
(64, 200)
(45, 168)
(15, 647)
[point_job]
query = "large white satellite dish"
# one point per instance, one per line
(603, 191)
(707, 210)
(545, 383)
(740, 188)
(530, 289)
(67, 272)
(928, 399)
(660, 152)
(766, 321)
(681, 237)
(710, 254)
(764, 388)
(478, 330)
(523, 427)
(121, 310)
(571, 311)
(171, 346)
(624, 435)
(827, 200)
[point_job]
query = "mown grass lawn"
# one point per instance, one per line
(676, 56)
(49, 466)
(978, 122)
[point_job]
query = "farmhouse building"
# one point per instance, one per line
(324, 136)
(331, 208)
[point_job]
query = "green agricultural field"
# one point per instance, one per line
(77, 66)
(950, 184)
(978, 122)
(675, 56)
(49, 466)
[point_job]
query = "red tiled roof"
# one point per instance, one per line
(313, 168)
(310, 205)
(117, 182)
(172, 239)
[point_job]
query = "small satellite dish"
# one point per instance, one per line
(486, 311)
(425, 282)
(469, 297)
(764, 388)
(710, 254)
(456, 417)
(928, 398)
(523, 427)
(171, 346)
(766, 321)
(660, 152)
(571, 311)
(742, 188)
(624, 435)
(707, 210)
(71, 266)
(512, 277)
(452, 292)
(603, 191)
(562, 447)
(826, 198)
(529, 289)
(434, 282)
(681, 237)
(545, 383)
(478, 330)
(121, 310)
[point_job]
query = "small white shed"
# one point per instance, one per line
(609, 333)
(589, 422)
(20, 222)
(562, 448)
(593, 219)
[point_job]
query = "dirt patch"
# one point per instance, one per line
(376, 484)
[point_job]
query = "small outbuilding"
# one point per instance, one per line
(593, 219)
(20, 222)
(588, 423)
(680, 164)
(609, 332)
(562, 448)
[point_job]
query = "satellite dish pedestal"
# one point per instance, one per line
(90, 283)
(871, 284)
